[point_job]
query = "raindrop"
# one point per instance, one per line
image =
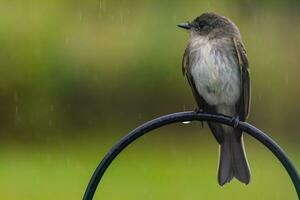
(17, 109)
(51, 108)
(100, 4)
(123, 27)
(287, 79)
(140, 116)
(259, 97)
(49, 156)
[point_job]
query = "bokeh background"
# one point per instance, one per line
(78, 75)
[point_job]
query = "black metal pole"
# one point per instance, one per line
(190, 116)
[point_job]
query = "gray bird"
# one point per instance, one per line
(216, 66)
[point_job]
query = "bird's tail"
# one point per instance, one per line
(233, 161)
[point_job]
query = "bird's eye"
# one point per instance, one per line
(201, 25)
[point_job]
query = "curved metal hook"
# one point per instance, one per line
(190, 116)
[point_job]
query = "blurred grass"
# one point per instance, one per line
(162, 165)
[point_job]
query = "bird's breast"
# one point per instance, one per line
(215, 71)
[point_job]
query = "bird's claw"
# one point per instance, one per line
(199, 110)
(236, 121)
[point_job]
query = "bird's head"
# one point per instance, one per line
(211, 25)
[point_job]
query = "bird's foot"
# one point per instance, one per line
(236, 121)
(199, 110)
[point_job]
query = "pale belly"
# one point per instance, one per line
(216, 77)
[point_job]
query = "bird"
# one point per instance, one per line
(216, 66)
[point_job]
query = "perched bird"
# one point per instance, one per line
(216, 66)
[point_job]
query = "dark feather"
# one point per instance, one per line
(243, 105)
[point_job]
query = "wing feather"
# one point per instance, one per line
(243, 104)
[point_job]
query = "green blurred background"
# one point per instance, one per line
(78, 75)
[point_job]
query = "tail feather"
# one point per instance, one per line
(233, 161)
(240, 164)
(225, 172)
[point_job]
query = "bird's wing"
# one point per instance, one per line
(186, 71)
(243, 105)
(185, 61)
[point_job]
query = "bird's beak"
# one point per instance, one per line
(185, 25)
